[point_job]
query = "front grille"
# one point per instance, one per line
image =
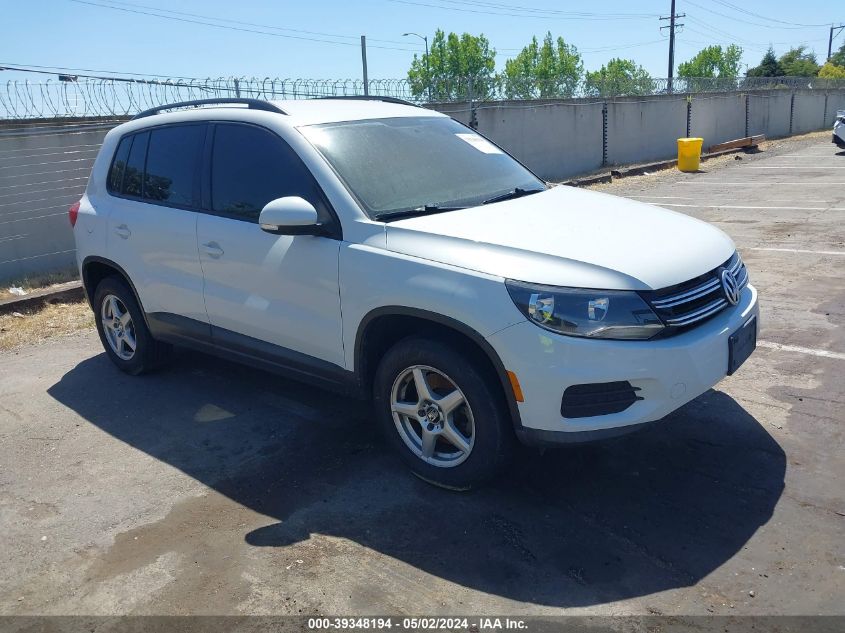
(598, 398)
(691, 302)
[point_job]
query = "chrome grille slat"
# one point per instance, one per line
(700, 291)
(701, 313)
(689, 305)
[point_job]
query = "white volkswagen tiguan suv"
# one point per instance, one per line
(390, 252)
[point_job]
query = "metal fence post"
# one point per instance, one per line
(824, 120)
(473, 122)
(237, 89)
(747, 115)
(791, 113)
(604, 134)
(689, 115)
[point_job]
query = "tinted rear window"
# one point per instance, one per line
(135, 165)
(172, 163)
(250, 167)
(118, 166)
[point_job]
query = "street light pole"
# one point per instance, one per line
(424, 38)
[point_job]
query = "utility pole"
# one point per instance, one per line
(672, 25)
(364, 63)
(830, 39)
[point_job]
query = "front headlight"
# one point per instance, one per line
(609, 314)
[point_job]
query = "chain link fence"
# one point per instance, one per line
(101, 97)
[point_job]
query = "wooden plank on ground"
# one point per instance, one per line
(746, 141)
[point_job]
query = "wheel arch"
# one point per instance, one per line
(95, 269)
(383, 327)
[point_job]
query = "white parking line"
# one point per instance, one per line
(813, 167)
(801, 350)
(802, 201)
(718, 183)
(735, 206)
(794, 250)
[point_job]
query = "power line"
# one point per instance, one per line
(54, 70)
(736, 39)
(584, 14)
(263, 26)
(737, 19)
(724, 3)
(624, 46)
(236, 28)
(549, 16)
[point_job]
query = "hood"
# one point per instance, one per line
(568, 237)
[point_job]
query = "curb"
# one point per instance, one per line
(70, 291)
(638, 170)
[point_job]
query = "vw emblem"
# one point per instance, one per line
(730, 287)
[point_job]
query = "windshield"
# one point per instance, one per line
(423, 164)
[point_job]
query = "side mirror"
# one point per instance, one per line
(290, 216)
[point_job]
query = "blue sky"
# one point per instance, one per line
(87, 34)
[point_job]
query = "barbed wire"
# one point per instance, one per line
(115, 97)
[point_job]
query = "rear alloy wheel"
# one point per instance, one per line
(118, 327)
(123, 331)
(443, 409)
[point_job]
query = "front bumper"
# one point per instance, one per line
(669, 372)
(838, 140)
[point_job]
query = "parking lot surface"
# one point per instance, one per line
(212, 488)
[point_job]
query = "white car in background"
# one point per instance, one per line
(839, 129)
(388, 251)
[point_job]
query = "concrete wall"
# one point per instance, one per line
(643, 129)
(44, 167)
(769, 113)
(835, 102)
(809, 113)
(718, 118)
(554, 140)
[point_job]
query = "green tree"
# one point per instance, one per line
(618, 77)
(769, 66)
(798, 62)
(713, 61)
(838, 58)
(452, 60)
(832, 71)
(552, 69)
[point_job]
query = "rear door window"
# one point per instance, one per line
(134, 176)
(173, 160)
(118, 166)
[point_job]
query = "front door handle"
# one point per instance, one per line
(122, 231)
(213, 250)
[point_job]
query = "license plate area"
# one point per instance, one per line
(741, 344)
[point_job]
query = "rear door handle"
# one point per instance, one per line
(123, 231)
(213, 250)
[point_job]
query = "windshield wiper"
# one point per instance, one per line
(428, 209)
(518, 192)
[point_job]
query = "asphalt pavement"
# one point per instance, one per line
(212, 488)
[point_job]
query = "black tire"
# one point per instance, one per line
(149, 353)
(493, 429)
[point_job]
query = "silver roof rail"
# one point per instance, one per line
(252, 104)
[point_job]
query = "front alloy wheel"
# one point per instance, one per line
(441, 405)
(432, 416)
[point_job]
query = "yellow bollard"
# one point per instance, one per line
(689, 153)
